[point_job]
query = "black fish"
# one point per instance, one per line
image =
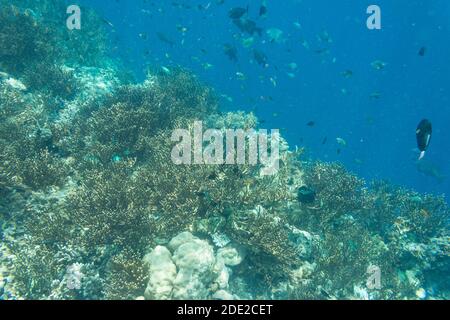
(306, 195)
(237, 13)
(231, 52)
(263, 9)
(311, 124)
(163, 38)
(423, 136)
(248, 26)
(260, 58)
(422, 51)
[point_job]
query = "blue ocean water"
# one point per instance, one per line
(375, 111)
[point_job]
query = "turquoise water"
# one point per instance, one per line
(108, 193)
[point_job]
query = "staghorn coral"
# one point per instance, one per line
(338, 193)
(87, 180)
(271, 253)
(23, 40)
(57, 81)
(126, 276)
(122, 126)
(26, 138)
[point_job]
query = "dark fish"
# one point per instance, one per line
(260, 58)
(423, 136)
(237, 13)
(109, 23)
(263, 9)
(163, 38)
(422, 51)
(231, 52)
(248, 26)
(306, 195)
(311, 124)
(347, 74)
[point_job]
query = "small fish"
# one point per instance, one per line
(306, 45)
(324, 36)
(311, 124)
(260, 58)
(423, 136)
(263, 9)
(378, 65)
(241, 76)
(297, 25)
(108, 23)
(163, 38)
(182, 29)
(347, 74)
(341, 142)
(166, 70)
(293, 66)
(291, 75)
(275, 35)
(325, 140)
(322, 51)
(228, 98)
(237, 13)
(231, 52)
(375, 95)
(248, 26)
(422, 51)
(248, 42)
(207, 66)
(266, 98)
(273, 81)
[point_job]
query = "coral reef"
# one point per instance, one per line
(92, 206)
(189, 268)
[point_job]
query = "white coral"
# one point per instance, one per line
(191, 271)
(162, 272)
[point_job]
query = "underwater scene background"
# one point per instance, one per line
(92, 205)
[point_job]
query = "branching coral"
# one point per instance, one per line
(101, 190)
(27, 141)
(337, 193)
(23, 40)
